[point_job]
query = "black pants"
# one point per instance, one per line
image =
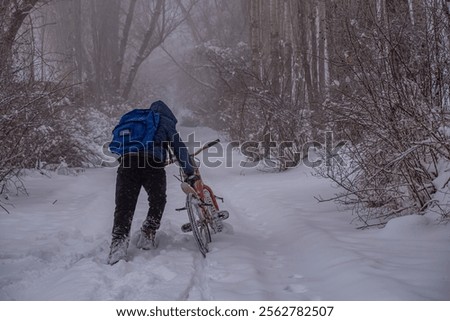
(133, 173)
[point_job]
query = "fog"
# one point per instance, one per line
(372, 73)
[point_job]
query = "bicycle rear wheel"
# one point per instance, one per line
(199, 225)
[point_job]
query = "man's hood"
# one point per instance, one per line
(161, 108)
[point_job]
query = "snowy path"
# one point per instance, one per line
(58, 251)
(279, 245)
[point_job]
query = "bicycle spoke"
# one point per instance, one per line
(200, 228)
(212, 212)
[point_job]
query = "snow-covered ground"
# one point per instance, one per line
(279, 244)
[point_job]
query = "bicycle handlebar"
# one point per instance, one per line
(206, 146)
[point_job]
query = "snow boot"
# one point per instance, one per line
(147, 240)
(118, 250)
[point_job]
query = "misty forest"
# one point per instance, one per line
(373, 73)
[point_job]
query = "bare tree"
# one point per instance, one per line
(32, 130)
(392, 106)
(12, 16)
(106, 42)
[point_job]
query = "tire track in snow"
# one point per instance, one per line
(198, 287)
(253, 263)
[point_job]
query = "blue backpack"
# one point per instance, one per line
(135, 132)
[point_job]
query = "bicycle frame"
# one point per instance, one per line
(201, 204)
(199, 189)
(199, 186)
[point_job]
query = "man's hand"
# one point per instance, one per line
(192, 179)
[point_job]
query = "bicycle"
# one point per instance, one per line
(204, 214)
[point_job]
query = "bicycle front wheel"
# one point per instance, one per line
(199, 225)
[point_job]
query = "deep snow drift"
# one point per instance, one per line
(279, 244)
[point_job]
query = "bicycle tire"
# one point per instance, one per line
(207, 195)
(200, 228)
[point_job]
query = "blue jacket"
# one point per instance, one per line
(167, 133)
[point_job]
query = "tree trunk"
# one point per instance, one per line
(255, 34)
(303, 17)
(78, 43)
(12, 16)
(312, 17)
(321, 47)
(105, 39)
(274, 57)
(117, 74)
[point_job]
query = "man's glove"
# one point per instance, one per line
(192, 179)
